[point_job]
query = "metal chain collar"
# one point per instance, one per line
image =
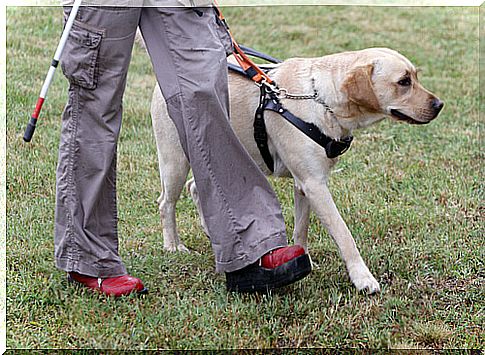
(282, 93)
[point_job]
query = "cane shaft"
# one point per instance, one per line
(29, 131)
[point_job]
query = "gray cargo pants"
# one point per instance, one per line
(187, 52)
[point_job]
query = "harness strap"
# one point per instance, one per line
(237, 69)
(333, 147)
(260, 134)
(257, 54)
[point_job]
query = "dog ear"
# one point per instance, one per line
(359, 89)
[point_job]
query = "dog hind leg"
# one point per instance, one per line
(173, 166)
(192, 189)
(172, 186)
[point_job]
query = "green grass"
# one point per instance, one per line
(410, 195)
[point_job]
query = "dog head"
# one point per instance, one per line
(384, 81)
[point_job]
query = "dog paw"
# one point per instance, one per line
(368, 285)
(174, 248)
(183, 248)
(364, 281)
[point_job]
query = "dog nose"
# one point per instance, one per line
(437, 105)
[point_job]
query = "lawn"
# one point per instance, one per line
(412, 197)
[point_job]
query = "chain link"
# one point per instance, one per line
(282, 93)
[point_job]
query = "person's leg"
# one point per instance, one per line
(95, 61)
(242, 213)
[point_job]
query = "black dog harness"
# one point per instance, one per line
(269, 100)
(333, 147)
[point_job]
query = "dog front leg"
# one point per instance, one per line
(302, 218)
(322, 203)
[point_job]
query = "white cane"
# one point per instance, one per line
(29, 131)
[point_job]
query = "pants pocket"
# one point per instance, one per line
(80, 59)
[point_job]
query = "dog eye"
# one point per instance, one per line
(405, 82)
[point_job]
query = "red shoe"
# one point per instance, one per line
(278, 268)
(281, 256)
(111, 286)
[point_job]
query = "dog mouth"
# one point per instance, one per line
(405, 118)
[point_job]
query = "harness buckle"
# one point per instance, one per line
(272, 88)
(335, 148)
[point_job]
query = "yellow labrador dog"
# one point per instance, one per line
(360, 88)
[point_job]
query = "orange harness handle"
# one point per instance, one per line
(251, 69)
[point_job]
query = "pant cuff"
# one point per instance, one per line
(90, 270)
(271, 243)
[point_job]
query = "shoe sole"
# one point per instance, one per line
(258, 279)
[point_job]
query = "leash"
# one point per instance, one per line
(254, 72)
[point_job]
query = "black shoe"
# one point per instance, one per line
(276, 269)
